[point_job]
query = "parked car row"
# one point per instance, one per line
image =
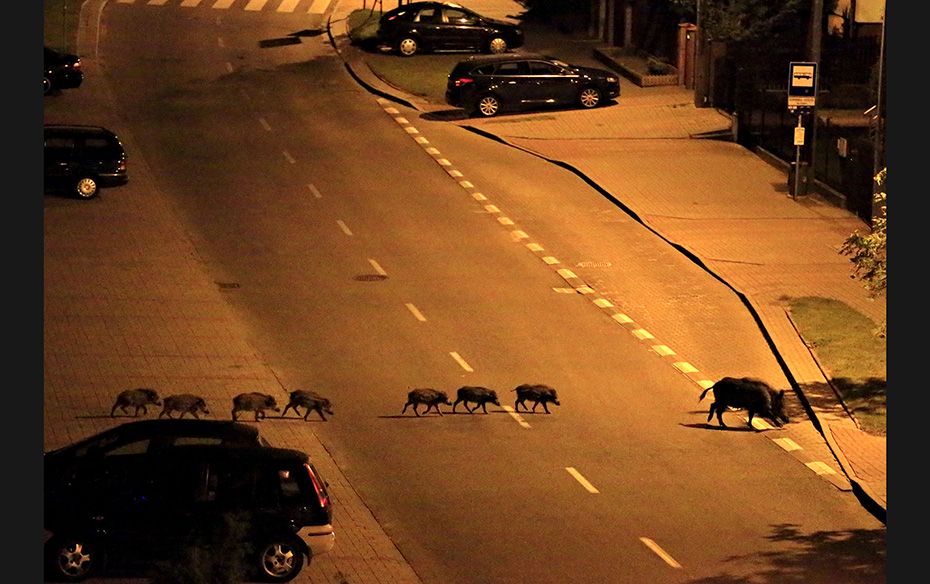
(62, 71)
(169, 494)
(79, 159)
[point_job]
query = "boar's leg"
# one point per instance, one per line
(546, 407)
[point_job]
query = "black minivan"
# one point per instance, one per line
(83, 158)
(247, 512)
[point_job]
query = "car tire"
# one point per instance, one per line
(408, 46)
(70, 559)
(487, 106)
(46, 85)
(589, 97)
(280, 560)
(86, 187)
(497, 45)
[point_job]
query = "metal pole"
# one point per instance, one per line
(797, 165)
(816, 27)
(877, 145)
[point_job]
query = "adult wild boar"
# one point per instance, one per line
(430, 397)
(138, 398)
(186, 404)
(480, 396)
(254, 402)
(536, 393)
(310, 400)
(754, 395)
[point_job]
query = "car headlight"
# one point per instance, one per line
(611, 80)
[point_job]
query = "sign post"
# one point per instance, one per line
(802, 97)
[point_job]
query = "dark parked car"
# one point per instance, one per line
(62, 71)
(242, 511)
(81, 159)
(443, 26)
(486, 85)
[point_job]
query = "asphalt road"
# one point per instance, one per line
(363, 270)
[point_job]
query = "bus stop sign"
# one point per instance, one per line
(802, 85)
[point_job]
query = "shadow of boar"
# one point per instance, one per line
(754, 395)
(430, 397)
(186, 404)
(138, 398)
(536, 393)
(254, 402)
(310, 400)
(480, 396)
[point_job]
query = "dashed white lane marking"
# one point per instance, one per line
(316, 193)
(401, 120)
(584, 482)
(565, 290)
(513, 414)
(566, 273)
(787, 443)
(255, 4)
(455, 173)
(684, 367)
(534, 247)
(820, 468)
(466, 185)
(505, 220)
(602, 303)
(229, 67)
(663, 350)
(288, 5)
(479, 197)
(264, 124)
(416, 313)
(460, 361)
(705, 383)
(377, 267)
(125, 1)
(492, 209)
(421, 140)
(157, 2)
(432, 151)
(186, 3)
(220, 43)
(288, 157)
(760, 424)
(443, 162)
(223, 4)
(551, 260)
(660, 552)
(343, 226)
(392, 110)
(643, 334)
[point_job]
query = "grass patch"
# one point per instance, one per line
(852, 354)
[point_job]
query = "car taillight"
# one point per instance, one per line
(463, 81)
(77, 64)
(390, 18)
(321, 495)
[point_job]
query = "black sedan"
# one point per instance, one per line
(62, 70)
(443, 26)
(486, 85)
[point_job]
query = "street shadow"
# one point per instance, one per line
(449, 115)
(291, 39)
(715, 426)
(855, 556)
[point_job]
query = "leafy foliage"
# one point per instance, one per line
(868, 250)
(745, 20)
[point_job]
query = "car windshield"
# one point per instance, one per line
(560, 63)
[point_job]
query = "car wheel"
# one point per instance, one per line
(280, 560)
(497, 45)
(86, 187)
(488, 106)
(589, 97)
(71, 559)
(46, 85)
(408, 46)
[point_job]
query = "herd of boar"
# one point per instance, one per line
(743, 393)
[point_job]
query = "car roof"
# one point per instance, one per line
(515, 56)
(78, 129)
(237, 452)
(163, 427)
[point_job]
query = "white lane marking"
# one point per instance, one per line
(421, 140)
(460, 361)
(660, 552)
(603, 303)
(264, 124)
(125, 1)
(820, 468)
(663, 350)
(288, 156)
(392, 110)
(157, 2)
(443, 162)
(705, 383)
(401, 120)
(585, 290)
(223, 4)
(787, 443)
(255, 4)
(643, 334)
(343, 226)
(315, 192)
(535, 247)
(760, 424)
(377, 267)
(566, 273)
(551, 260)
(684, 367)
(492, 209)
(466, 185)
(584, 482)
(517, 235)
(220, 43)
(229, 67)
(505, 220)
(564, 290)
(479, 197)
(288, 5)
(432, 151)
(416, 313)
(455, 174)
(516, 416)
(411, 130)
(190, 3)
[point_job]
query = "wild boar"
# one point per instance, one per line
(753, 395)
(480, 396)
(538, 394)
(430, 397)
(254, 402)
(310, 400)
(138, 398)
(186, 404)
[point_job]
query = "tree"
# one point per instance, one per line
(744, 20)
(867, 251)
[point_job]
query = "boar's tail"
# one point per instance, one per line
(703, 393)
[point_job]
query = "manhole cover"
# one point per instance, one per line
(370, 278)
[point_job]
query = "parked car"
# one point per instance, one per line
(62, 71)
(443, 26)
(249, 512)
(487, 85)
(81, 159)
